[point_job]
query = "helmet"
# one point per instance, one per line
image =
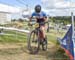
(37, 8)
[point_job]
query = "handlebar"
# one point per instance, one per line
(41, 23)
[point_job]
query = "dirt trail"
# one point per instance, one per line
(19, 52)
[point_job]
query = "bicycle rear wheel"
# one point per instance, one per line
(44, 44)
(33, 42)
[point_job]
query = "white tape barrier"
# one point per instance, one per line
(10, 28)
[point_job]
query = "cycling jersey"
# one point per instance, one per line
(41, 14)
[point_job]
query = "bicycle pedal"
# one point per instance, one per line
(44, 49)
(44, 42)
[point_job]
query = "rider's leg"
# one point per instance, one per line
(42, 28)
(44, 40)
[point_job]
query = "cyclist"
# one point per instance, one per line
(40, 17)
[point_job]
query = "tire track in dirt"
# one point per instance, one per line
(19, 52)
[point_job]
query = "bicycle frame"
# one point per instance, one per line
(37, 27)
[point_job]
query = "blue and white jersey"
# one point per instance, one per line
(41, 14)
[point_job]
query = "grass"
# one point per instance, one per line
(13, 36)
(52, 36)
(19, 37)
(60, 53)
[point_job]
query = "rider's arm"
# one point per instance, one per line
(45, 17)
(32, 17)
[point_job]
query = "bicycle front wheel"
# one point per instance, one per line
(33, 42)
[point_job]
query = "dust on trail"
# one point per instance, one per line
(18, 51)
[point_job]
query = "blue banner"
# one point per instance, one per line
(67, 44)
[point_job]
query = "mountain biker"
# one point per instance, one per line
(40, 17)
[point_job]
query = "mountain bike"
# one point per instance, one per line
(35, 39)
